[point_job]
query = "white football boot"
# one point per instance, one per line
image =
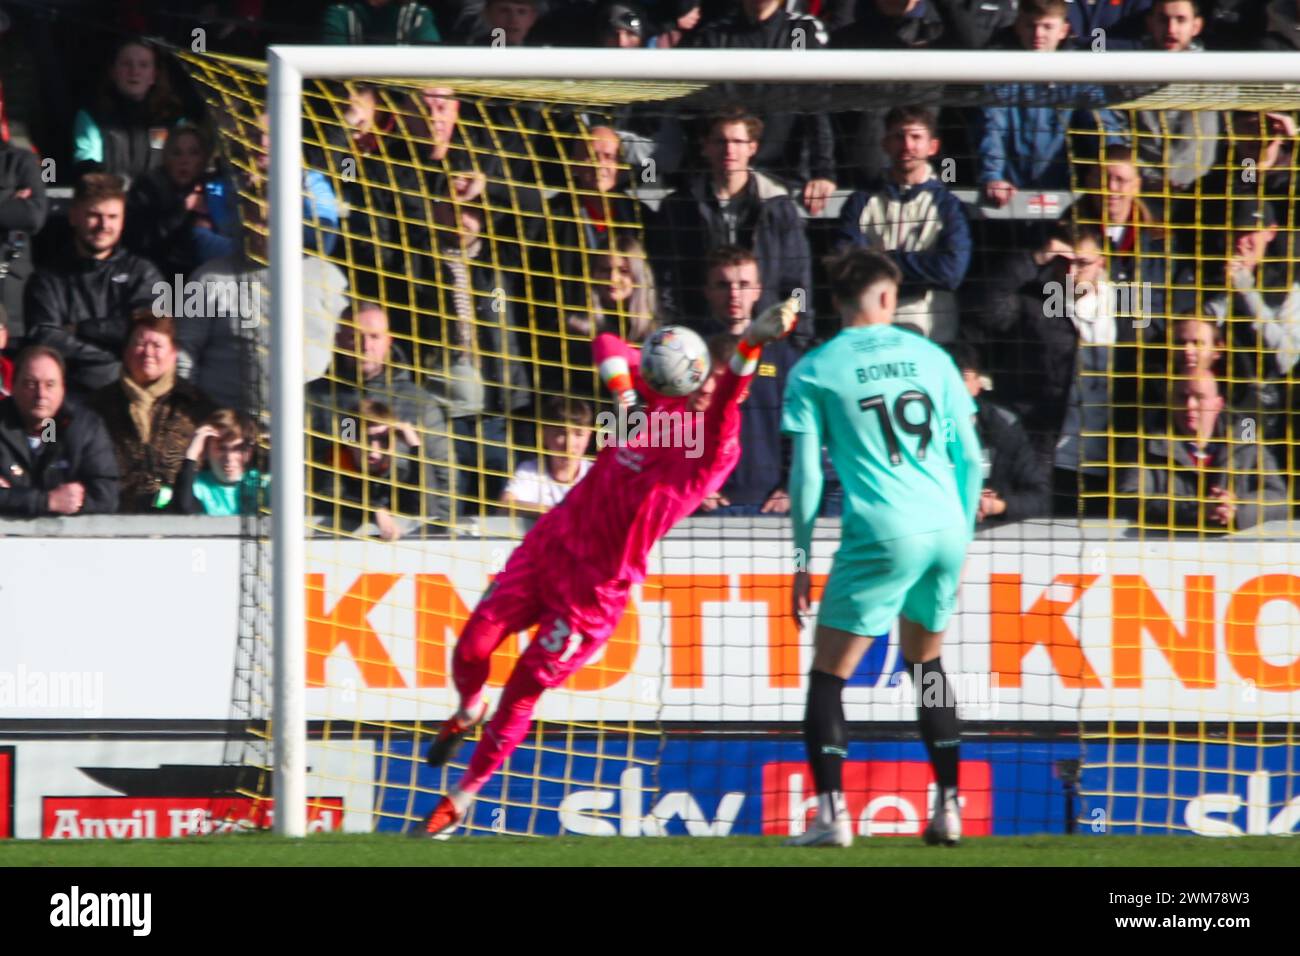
(945, 820)
(839, 833)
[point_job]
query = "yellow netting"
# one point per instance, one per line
(1169, 635)
(1194, 469)
(475, 289)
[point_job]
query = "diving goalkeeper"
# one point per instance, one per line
(573, 572)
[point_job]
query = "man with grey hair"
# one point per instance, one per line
(368, 364)
(1205, 471)
(55, 458)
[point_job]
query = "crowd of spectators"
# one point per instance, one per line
(1134, 359)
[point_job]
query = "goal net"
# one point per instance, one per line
(1112, 265)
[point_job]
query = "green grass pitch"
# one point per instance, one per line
(385, 850)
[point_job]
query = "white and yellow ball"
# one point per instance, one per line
(674, 361)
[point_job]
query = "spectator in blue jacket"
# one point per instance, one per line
(320, 206)
(1023, 145)
(167, 215)
(913, 218)
(1115, 19)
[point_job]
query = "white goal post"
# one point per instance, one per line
(288, 65)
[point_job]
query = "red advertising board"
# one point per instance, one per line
(6, 793)
(135, 818)
(885, 797)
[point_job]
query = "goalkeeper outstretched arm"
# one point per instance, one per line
(618, 363)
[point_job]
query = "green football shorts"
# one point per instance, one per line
(916, 576)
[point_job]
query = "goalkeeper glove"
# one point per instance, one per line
(775, 322)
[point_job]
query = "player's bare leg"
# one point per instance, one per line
(836, 655)
(936, 713)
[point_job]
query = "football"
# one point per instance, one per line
(674, 361)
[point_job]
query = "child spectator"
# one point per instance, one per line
(376, 477)
(216, 477)
(540, 484)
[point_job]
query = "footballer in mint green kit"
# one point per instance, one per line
(897, 420)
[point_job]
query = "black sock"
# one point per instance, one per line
(936, 712)
(824, 732)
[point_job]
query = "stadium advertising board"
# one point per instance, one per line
(1045, 633)
(143, 818)
(1215, 790)
(1064, 630)
(763, 787)
(696, 787)
(141, 789)
(706, 788)
(118, 628)
(723, 787)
